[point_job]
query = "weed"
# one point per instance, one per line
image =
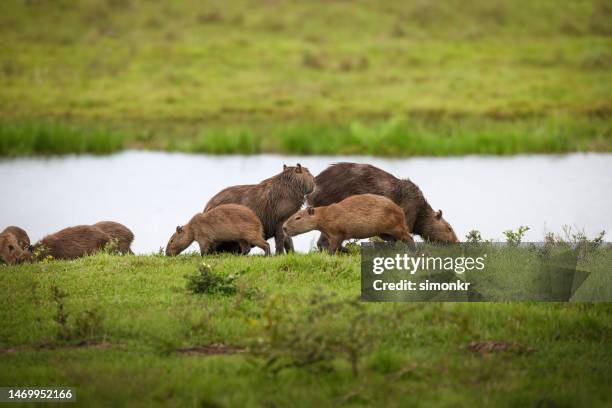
(515, 237)
(206, 282)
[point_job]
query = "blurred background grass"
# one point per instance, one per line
(367, 77)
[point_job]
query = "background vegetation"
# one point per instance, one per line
(317, 77)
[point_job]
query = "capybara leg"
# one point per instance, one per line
(279, 240)
(323, 242)
(288, 244)
(388, 238)
(334, 244)
(261, 243)
(245, 248)
(204, 249)
(405, 237)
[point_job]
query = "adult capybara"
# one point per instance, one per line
(72, 242)
(118, 232)
(359, 216)
(342, 180)
(225, 223)
(10, 250)
(22, 237)
(273, 201)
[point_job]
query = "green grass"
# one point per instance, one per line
(365, 77)
(56, 138)
(124, 320)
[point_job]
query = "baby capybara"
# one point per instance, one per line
(225, 223)
(22, 237)
(342, 180)
(10, 250)
(72, 242)
(273, 200)
(118, 232)
(359, 216)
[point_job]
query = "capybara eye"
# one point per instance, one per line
(11, 248)
(297, 218)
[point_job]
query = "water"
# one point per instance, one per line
(152, 192)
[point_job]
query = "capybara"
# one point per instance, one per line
(10, 250)
(359, 216)
(225, 223)
(273, 201)
(342, 180)
(72, 242)
(118, 232)
(22, 237)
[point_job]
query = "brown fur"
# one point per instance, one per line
(225, 223)
(10, 250)
(342, 180)
(73, 242)
(22, 237)
(358, 216)
(118, 232)
(273, 201)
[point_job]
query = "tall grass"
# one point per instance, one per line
(50, 137)
(399, 136)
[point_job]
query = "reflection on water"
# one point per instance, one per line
(152, 192)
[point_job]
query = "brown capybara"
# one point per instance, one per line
(10, 250)
(359, 216)
(273, 201)
(72, 242)
(225, 223)
(22, 237)
(342, 180)
(118, 232)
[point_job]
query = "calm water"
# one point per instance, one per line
(152, 192)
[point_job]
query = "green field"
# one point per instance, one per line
(317, 77)
(286, 331)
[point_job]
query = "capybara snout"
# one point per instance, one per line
(19, 233)
(440, 229)
(10, 250)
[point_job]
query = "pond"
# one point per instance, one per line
(152, 192)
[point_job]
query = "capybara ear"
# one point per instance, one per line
(311, 211)
(179, 229)
(439, 214)
(284, 167)
(299, 168)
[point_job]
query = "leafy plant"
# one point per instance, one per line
(205, 281)
(515, 237)
(473, 237)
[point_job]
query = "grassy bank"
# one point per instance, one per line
(416, 136)
(284, 331)
(385, 78)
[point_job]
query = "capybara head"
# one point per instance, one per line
(301, 176)
(437, 229)
(302, 221)
(10, 251)
(179, 241)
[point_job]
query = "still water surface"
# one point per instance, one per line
(152, 192)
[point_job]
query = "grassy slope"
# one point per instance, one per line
(419, 356)
(311, 77)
